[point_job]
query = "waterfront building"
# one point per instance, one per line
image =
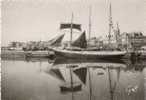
(16, 45)
(96, 42)
(133, 40)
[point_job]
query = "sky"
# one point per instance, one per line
(26, 20)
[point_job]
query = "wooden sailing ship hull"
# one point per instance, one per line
(109, 55)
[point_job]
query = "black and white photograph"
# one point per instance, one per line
(73, 50)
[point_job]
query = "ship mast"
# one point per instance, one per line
(89, 23)
(110, 25)
(71, 30)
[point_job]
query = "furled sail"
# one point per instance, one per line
(81, 41)
(69, 25)
(56, 41)
(81, 73)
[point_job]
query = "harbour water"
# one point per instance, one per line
(43, 79)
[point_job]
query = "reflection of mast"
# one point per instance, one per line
(71, 77)
(110, 86)
(90, 84)
(112, 89)
(40, 64)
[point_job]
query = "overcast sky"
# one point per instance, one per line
(25, 20)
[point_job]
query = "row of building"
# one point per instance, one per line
(129, 41)
(31, 45)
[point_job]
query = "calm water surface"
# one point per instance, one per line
(41, 80)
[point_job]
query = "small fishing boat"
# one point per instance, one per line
(37, 54)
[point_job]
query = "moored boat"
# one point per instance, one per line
(79, 49)
(63, 53)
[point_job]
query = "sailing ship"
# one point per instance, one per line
(78, 49)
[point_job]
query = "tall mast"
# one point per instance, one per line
(117, 35)
(110, 24)
(71, 28)
(89, 23)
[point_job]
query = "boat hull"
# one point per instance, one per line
(82, 55)
(39, 54)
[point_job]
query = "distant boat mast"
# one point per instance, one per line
(71, 29)
(110, 24)
(89, 22)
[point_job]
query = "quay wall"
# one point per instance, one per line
(17, 54)
(8, 54)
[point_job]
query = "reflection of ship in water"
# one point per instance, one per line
(124, 64)
(113, 85)
(83, 70)
(76, 75)
(136, 65)
(58, 74)
(115, 81)
(90, 63)
(70, 86)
